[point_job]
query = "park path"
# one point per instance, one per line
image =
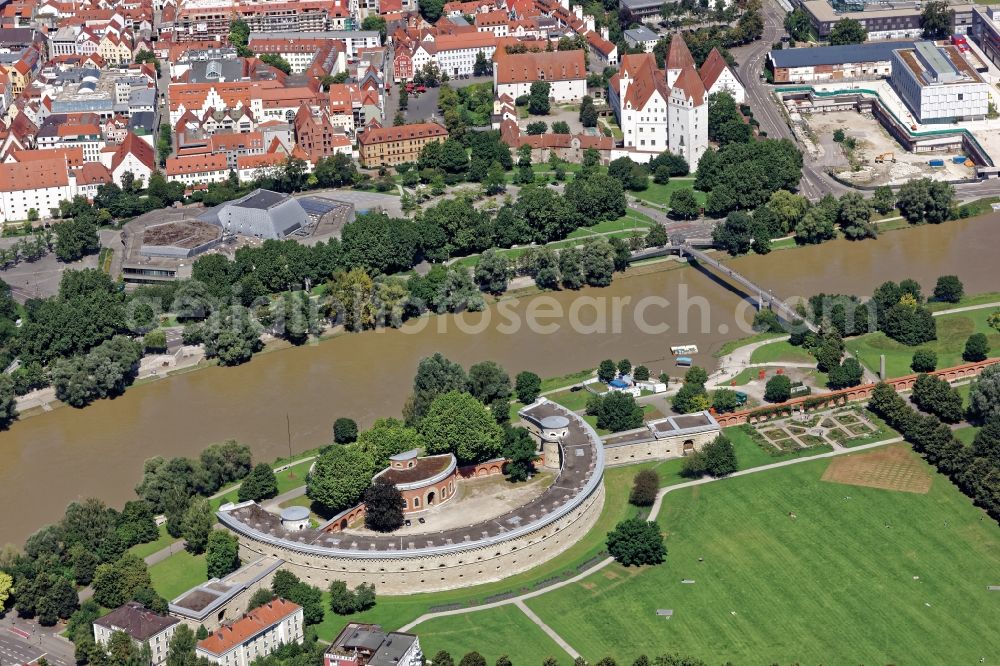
(560, 641)
(967, 308)
(653, 513)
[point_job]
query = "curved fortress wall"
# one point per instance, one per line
(478, 553)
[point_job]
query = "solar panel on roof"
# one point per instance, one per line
(317, 206)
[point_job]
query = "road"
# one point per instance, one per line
(23, 642)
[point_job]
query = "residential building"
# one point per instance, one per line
(197, 169)
(386, 146)
(354, 40)
(849, 62)
(602, 50)
(133, 156)
(257, 634)
(641, 36)
(317, 137)
(496, 22)
(456, 54)
(220, 600)
(717, 76)
(367, 645)
(143, 626)
(938, 84)
(985, 32)
(564, 71)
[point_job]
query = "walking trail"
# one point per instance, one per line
(653, 513)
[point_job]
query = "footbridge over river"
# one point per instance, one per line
(759, 294)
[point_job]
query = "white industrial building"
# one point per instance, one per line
(938, 85)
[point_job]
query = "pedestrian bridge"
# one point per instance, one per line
(759, 294)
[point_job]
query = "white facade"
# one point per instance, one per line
(455, 62)
(728, 82)
(199, 177)
(158, 643)
(688, 126)
(645, 129)
(934, 89)
(15, 205)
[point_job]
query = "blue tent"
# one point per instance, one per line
(618, 383)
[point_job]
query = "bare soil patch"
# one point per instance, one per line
(893, 468)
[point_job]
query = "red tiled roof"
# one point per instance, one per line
(529, 67)
(136, 146)
(691, 84)
(73, 156)
(177, 166)
(713, 66)
(37, 174)
(679, 57)
(251, 624)
(402, 133)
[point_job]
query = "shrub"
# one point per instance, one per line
(778, 389)
(924, 360)
(977, 348)
(636, 542)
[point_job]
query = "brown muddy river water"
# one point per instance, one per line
(49, 460)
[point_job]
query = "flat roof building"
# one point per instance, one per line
(888, 20)
(871, 60)
(367, 645)
(938, 84)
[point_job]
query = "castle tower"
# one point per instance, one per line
(678, 59)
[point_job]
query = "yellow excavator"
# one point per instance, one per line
(891, 157)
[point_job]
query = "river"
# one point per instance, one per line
(49, 460)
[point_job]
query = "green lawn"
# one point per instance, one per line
(572, 400)
(550, 383)
(966, 434)
(732, 345)
(293, 477)
(832, 586)
(781, 352)
(660, 194)
(977, 299)
(178, 574)
(144, 550)
(952, 332)
(492, 633)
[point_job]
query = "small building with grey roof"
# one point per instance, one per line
(223, 600)
(142, 625)
(669, 437)
(368, 645)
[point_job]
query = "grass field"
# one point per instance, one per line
(833, 585)
(178, 573)
(492, 633)
(144, 550)
(732, 345)
(966, 434)
(952, 332)
(660, 194)
(293, 477)
(781, 352)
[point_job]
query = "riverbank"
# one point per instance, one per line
(294, 396)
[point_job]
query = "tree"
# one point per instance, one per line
(431, 10)
(488, 381)
(848, 31)
(977, 348)
(384, 506)
(519, 449)
(560, 127)
(854, 217)
(345, 430)
(197, 524)
(984, 396)
(734, 234)
(935, 20)
(339, 478)
(492, 272)
(778, 389)
(458, 423)
(259, 598)
(222, 556)
(618, 411)
(180, 651)
(76, 238)
(588, 112)
(719, 457)
(641, 373)
(537, 127)
(883, 199)
(260, 484)
(636, 542)
(538, 98)
(657, 235)
(6, 586)
(375, 22)
(527, 386)
(607, 370)
(910, 324)
(925, 200)
(814, 227)
(596, 197)
(116, 582)
(798, 25)
(725, 400)
(435, 375)
(645, 488)
(442, 658)
(690, 398)
(924, 360)
(936, 396)
(949, 289)
(342, 599)
(846, 374)
(684, 205)
(276, 61)
(473, 659)
(8, 402)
